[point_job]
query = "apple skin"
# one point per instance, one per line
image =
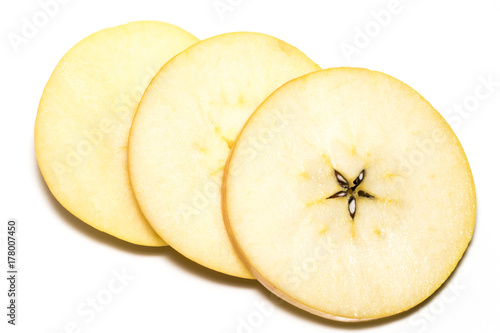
(83, 122)
(184, 129)
(465, 223)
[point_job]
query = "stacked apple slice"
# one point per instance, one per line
(84, 118)
(328, 217)
(247, 158)
(185, 127)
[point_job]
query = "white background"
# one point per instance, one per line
(444, 49)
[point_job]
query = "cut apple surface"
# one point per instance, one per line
(84, 118)
(357, 203)
(184, 129)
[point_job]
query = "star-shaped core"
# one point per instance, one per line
(351, 191)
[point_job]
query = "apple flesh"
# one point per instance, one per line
(84, 118)
(185, 126)
(329, 217)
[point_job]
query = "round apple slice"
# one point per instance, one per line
(84, 118)
(184, 129)
(358, 205)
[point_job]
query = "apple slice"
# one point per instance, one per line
(84, 118)
(358, 205)
(184, 129)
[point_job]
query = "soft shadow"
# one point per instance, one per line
(206, 273)
(210, 275)
(96, 235)
(360, 325)
(168, 252)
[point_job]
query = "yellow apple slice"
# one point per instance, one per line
(359, 205)
(84, 118)
(184, 129)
